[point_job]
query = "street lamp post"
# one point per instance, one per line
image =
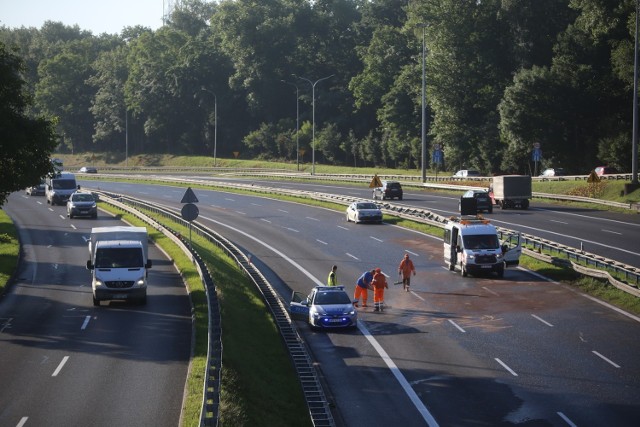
(297, 123)
(423, 107)
(313, 115)
(634, 137)
(126, 138)
(215, 126)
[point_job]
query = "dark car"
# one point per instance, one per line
(36, 190)
(483, 200)
(389, 190)
(82, 204)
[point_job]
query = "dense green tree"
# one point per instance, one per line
(26, 143)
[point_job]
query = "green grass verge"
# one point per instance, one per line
(259, 384)
(9, 250)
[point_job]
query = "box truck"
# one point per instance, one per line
(511, 191)
(119, 261)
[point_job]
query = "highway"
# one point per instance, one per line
(454, 351)
(609, 234)
(64, 362)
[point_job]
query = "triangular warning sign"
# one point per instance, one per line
(375, 182)
(189, 197)
(593, 177)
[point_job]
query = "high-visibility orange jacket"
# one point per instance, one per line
(379, 281)
(406, 267)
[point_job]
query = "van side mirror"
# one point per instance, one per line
(148, 264)
(89, 265)
(458, 248)
(78, 186)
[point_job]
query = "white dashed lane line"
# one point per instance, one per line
(60, 366)
(504, 365)
(609, 361)
(542, 320)
(458, 327)
(375, 238)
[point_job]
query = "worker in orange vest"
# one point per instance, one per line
(379, 283)
(404, 270)
(362, 288)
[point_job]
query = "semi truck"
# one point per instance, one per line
(119, 263)
(511, 191)
(473, 246)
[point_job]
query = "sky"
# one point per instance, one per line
(97, 16)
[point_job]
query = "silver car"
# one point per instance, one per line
(364, 212)
(82, 204)
(326, 307)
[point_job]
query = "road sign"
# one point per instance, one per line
(375, 182)
(536, 155)
(190, 212)
(189, 196)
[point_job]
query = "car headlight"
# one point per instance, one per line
(351, 312)
(498, 257)
(140, 282)
(317, 311)
(98, 282)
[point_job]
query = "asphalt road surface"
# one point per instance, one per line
(64, 362)
(454, 351)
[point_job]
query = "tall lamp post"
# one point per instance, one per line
(313, 115)
(126, 138)
(215, 126)
(423, 107)
(634, 137)
(297, 123)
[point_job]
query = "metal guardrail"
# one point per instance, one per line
(317, 403)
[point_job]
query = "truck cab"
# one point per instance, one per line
(473, 245)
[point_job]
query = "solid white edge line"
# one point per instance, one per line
(504, 365)
(542, 320)
(60, 366)
(394, 369)
(426, 415)
(457, 326)
(611, 362)
(566, 419)
(85, 323)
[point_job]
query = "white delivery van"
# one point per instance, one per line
(119, 263)
(472, 245)
(59, 187)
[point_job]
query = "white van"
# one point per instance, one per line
(60, 187)
(473, 246)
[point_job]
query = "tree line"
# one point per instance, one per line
(501, 76)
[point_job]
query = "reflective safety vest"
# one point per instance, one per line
(332, 280)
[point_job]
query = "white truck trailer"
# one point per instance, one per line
(511, 191)
(119, 263)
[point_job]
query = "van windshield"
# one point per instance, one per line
(481, 241)
(64, 184)
(119, 258)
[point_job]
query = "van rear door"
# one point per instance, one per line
(513, 246)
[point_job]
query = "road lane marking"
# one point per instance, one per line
(320, 241)
(256, 204)
(62, 217)
(6, 325)
(361, 326)
(51, 209)
(85, 323)
(344, 228)
(312, 219)
(353, 256)
(559, 222)
(22, 422)
(566, 419)
(605, 359)
(457, 326)
(490, 291)
(504, 365)
(282, 210)
(230, 200)
(265, 220)
(412, 253)
(426, 415)
(291, 229)
(542, 320)
(73, 226)
(240, 212)
(612, 232)
(60, 366)
(375, 238)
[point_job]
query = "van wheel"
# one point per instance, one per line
(452, 267)
(501, 271)
(463, 270)
(96, 302)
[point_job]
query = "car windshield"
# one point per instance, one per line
(119, 258)
(331, 297)
(83, 198)
(64, 184)
(481, 241)
(366, 206)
